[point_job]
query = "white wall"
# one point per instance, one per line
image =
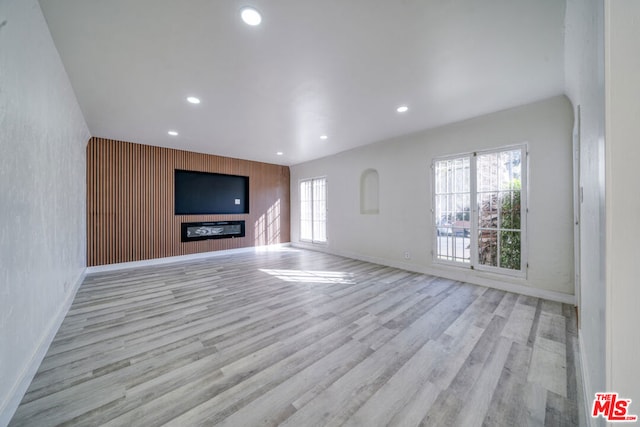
(404, 221)
(584, 77)
(622, 102)
(42, 195)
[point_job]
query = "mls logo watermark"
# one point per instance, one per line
(611, 408)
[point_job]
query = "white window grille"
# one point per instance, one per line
(313, 210)
(480, 210)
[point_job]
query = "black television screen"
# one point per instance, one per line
(210, 193)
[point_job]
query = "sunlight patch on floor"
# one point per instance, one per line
(307, 276)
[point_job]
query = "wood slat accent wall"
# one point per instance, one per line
(130, 202)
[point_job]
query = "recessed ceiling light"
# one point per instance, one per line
(279, 153)
(323, 137)
(250, 16)
(402, 109)
(193, 100)
(173, 133)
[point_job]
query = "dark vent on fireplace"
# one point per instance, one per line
(192, 231)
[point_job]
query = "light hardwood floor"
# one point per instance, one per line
(301, 338)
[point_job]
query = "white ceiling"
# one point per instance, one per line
(334, 67)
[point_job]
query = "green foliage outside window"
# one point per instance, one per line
(510, 244)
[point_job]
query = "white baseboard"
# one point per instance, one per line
(180, 258)
(453, 274)
(505, 286)
(21, 385)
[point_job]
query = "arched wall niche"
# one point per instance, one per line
(369, 192)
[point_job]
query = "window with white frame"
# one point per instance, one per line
(452, 209)
(313, 210)
(479, 210)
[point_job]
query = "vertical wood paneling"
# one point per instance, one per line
(130, 202)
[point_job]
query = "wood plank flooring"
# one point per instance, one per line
(300, 338)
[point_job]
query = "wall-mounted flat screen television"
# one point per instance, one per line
(198, 193)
